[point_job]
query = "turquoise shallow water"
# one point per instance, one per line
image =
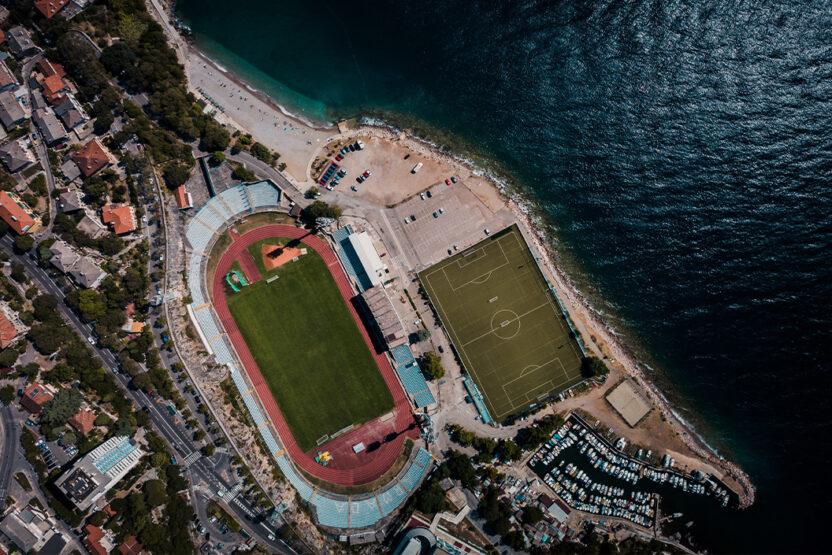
(681, 151)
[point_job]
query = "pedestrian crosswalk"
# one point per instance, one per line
(232, 493)
(192, 458)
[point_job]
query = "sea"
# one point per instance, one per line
(681, 155)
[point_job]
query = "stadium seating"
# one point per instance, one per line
(221, 351)
(239, 381)
(206, 322)
(236, 199)
(401, 354)
(304, 490)
(423, 458)
(340, 235)
(195, 279)
(210, 218)
(199, 236)
(331, 512)
(412, 378)
(424, 399)
(221, 209)
(410, 479)
(364, 512)
(391, 499)
(254, 411)
(263, 194)
(271, 442)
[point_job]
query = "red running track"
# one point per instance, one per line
(347, 468)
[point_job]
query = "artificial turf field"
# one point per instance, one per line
(309, 349)
(504, 322)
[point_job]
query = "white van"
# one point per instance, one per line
(416, 168)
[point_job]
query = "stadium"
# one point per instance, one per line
(301, 387)
(505, 323)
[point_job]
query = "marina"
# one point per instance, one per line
(595, 476)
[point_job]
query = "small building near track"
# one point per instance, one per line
(371, 262)
(385, 322)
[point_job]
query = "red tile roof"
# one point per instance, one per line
(131, 546)
(48, 68)
(53, 85)
(182, 199)
(6, 76)
(49, 7)
(93, 540)
(7, 332)
(83, 421)
(2, 36)
(34, 397)
(120, 217)
(91, 158)
(15, 215)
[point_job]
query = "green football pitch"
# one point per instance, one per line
(309, 349)
(505, 323)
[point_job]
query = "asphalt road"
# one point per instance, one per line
(201, 471)
(10, 447)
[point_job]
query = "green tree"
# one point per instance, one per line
(214, 137)
(154, 493)
(508, 450)
(57, 410)
(242, 174)
(23, 243)
(18, 271)
(176, 175)
(432, 365)
(311, 192)
(217, 158)
(320, 209)
(532, 514)
(593, 366)
(6, 394)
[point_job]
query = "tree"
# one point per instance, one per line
(432, 365)
(509, 451)
(311, 192)
(462, 469)
(242, 174)
(57, 410)
(103, 122)
(261, 152)
(18, 271)
(176, 175)
(418, 336)
(430, 498)
(154, 493)
(214, 137)
(593, 366)
(320, 209)
(142, 381)
(8, 357)
(209, 450)
(532, 514)
(6, 394)
(515, 539)
(23, 243)
(217, 158)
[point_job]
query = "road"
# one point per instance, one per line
(201, 470)
(10, 447)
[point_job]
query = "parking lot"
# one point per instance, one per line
(461, 219)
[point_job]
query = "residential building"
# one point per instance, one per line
(385, 320)
(83, 421)
(91, 158)
(69, 201)
(7, 79)
(4, 13)
(66, 102)
(120, 217)
(49, 7)
(20, 43)
(183, 198)
(52, 130)
(72, 119)
(90, 225)
(34, 397)
(17, 214)
(70, 170)
(131, 546)
(82, 271)
(16, 156)
(11, 327)
(11, 112)
(53, 87)
(92, 476)
(48, 68)
(32, 530)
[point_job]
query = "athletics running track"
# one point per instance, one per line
(359, 469)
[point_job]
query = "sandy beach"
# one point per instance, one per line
(300, 143)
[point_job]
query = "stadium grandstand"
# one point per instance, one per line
(334, 511)
(411, 377)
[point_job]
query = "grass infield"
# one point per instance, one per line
(504, 322)
(309, 349)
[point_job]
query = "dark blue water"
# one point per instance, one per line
(682, 150)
